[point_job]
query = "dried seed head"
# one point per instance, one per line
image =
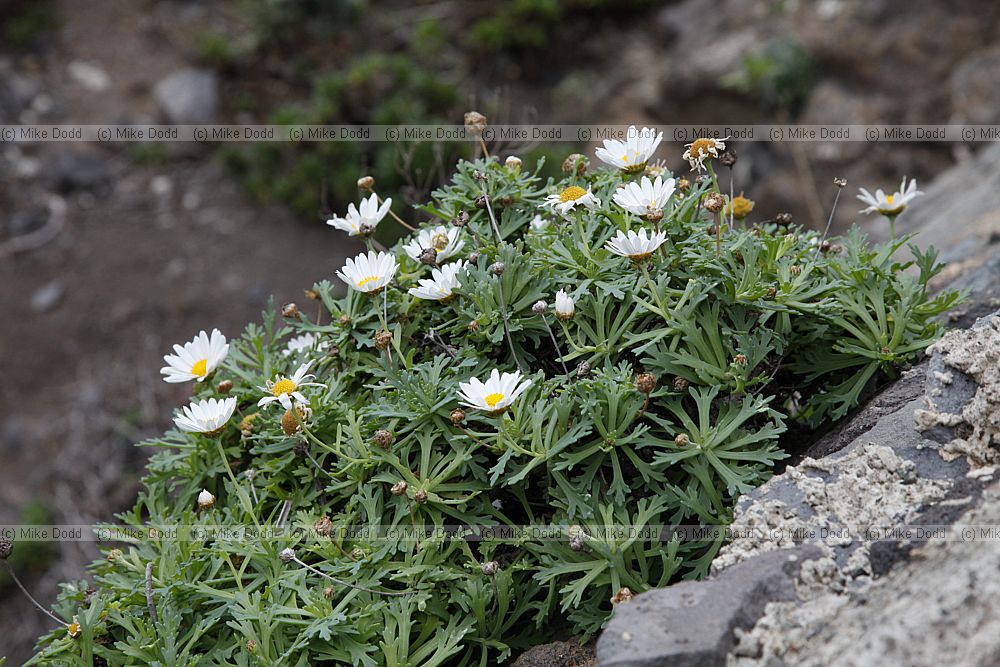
(623, 595)
(345, 320)
(497, 268)
(795, 269)
(224, 387)
(583, 369)
(772, 292)
(490, 568)
(481, 201)
(290, 310)
(713, 202)
(740, 359)
(473, 257)
(384, 438)
(645, 383)
(6, 548)
(287, 555)
(783, 219)
(680, 384)
(460, 220)
(513, 163)
(682, 440)
(540, 308)
(246, 424)
(654, 215)
(728, 158)
(328, 592)
(399, 488)
(683, 185)
(428, 256)
(840, 182)
(205, 500)
(478, 175)
(251, 645)
(420, 497)
(366, 183)
(324, 526)
(475, 123)
(382, 339)
(457, 416)
(577, 543)
(575, 164)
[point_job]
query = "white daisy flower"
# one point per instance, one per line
(700, 150)
(444, 240)
(538, 224)
(645, 197)
(369, 272)
(636, 247)
(890, 205)
(195, 359)
(206, 416)
(286, 389)
(632, 154)
(364, 221)
(306, 341)
(440, 286)
(566, 200)
(565, 307)
(496, 394)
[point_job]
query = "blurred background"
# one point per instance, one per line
(111, 253)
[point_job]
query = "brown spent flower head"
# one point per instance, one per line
(287, 555)
(384, 438)
(490, 568)
(654, 215)
(577, 543)
(366, 183)
(475, 123)
(290, 310)
(324, 526)
(382, 339)
(680, 384)
(772, 292)
(740, 207)
(457, 416)
(497, 268)
(290, 423)
(728, 158)
(473, 257)
(224, 387)
(713, 202)
(251, 645)
(6, 548)
(623, 595)
(246, 424)
(783, 219)
(682, 440)
(328, 592)
(540, 308)
(795, 269)
(399, 488)
(114, 555)
(683, 185)
(481, 201)
(575, 164)
(645, 383)
(420, 497)
(740, 359)
(311, 294)
(428, 256)
(460, 220)
(345, 320)
(583, 369)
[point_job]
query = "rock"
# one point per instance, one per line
(90, 76)
(974, 94)
(188, 97)
(558, 654)
(73, 169)
(692, 623)
(47, 297)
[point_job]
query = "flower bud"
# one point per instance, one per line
(399, 488)
(490, 568)
(420, 497)
(497, 268)
(382, 339)
(328, 592)
(251, 645)
(680, 384)
(457, 416)
(472, 326)
(582, 369)
(287, 555)
(114, 555)
(473, 257)
(713, 202)
(290, 310)
(205, 500)
(481, 201)
(475, 123)
(577, 543)
(683, 185)
(795, 269)
(740, 359)
(540, 308)
(311, 294)
(345, 320)
(324, 526)
(225, 387)
(682, 440)
(384, 438)
(460, 220)
(645, 383)
(772, 292)
(575, 164)
(6, 548)
(513, 163)
(623, 595)
(366, 183)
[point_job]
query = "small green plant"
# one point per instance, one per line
(459, 457)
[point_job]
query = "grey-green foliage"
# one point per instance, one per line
(773, 330)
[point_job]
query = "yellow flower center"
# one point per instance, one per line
(200, 368)
(493, 399)
(740, 207)
(440, 242)
(283, 386)
(572, 193)
(888, 200)
(365, 281)
(702, 147)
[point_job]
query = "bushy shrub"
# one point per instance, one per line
(659, 391)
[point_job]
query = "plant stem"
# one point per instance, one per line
(556, 345)
(489, 211)
(396, 217)
(506, 329)
(341, 582)
(28, 595)
(656, 295)
(239, 489)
